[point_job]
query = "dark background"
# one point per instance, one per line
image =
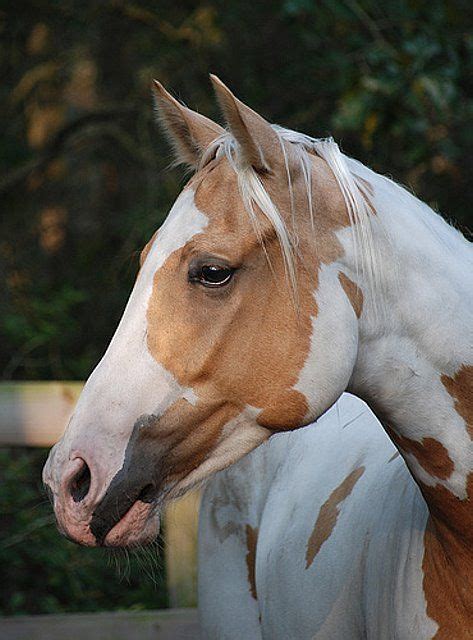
(84, 181)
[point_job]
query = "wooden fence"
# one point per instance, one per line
(167, 624)
(35, 414)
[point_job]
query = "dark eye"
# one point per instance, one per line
(211, 275)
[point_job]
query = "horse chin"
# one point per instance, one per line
(139, 526)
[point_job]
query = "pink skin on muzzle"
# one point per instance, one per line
(78, 494)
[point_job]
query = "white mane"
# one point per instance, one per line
(360, 187)
(354, 191)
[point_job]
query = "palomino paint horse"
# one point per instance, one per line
(285, 274)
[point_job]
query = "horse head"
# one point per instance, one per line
(242, 323)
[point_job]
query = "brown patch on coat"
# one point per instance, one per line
(460, 387)
(213, 326)
(147, 248)
(353, 293)
(184, 447)
(448, 538)
(251, 542)
(328, 514)
(244, 345)
(432, 456)
(448, 561)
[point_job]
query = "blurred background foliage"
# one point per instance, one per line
(84, 179)
(83, 169)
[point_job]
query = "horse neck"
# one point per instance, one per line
(415, 358)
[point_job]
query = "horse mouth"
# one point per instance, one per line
(139, 526)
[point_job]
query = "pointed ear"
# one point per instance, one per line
(188, 132)
(258, 140)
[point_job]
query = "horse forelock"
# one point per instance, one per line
(298, 151)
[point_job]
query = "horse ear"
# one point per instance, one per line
(189, 132)
(258, 141)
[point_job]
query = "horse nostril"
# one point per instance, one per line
(80, 483)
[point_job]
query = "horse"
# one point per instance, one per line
(285, 274)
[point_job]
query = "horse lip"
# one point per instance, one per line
(109, 513)
(137, 526)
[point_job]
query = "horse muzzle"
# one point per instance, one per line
(123, 514)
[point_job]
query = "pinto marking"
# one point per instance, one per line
(431, 454)
(264, 374)
(460, 387)
(354, 293)
(147, 248)
(328, 514)
(251, 542)
(448, 563)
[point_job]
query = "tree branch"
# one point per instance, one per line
(58, 142)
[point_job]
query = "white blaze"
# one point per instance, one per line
(128, 382)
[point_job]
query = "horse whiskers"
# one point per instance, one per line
(150, 568)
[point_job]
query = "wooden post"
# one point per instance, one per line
(180, 532)
(36, 414)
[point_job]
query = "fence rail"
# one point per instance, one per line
(36, 413)
(168, 624)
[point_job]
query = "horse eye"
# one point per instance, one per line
(212, 275)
